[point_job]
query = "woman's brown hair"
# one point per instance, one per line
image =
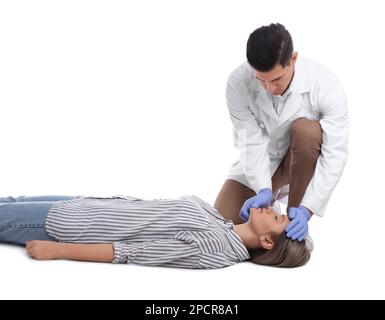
(286, 253)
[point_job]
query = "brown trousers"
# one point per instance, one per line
(296, 169)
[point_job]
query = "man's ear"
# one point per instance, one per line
(266, 242)
(294, 57)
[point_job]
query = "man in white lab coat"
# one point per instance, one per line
(290, 121)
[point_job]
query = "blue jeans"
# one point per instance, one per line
(23, 219)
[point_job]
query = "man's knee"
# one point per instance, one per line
(306, 129)
(306, 135)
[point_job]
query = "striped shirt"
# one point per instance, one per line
(185, 232)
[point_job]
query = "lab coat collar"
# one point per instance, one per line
(293, 105)
(294, 101)
(300, 83)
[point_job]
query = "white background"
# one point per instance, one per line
(127, 97)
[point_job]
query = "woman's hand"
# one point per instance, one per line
(43, 250)
(50, 250)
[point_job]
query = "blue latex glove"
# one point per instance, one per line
(298, 228)
(262, 200)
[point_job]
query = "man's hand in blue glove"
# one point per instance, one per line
(298, 228)
(262, 200)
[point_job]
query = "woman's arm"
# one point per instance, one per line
(50, 250)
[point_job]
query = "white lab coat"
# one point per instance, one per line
(262, 137)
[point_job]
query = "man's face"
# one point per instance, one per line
(267, 221)
(277, 80)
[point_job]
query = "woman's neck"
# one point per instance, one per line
(248, 236)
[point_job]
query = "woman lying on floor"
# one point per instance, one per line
(185, 232)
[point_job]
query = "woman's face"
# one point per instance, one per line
(266, 221)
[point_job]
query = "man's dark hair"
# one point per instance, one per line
(269, 45)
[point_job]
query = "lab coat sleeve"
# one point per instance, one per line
(334, 150)
(168, 253)
(249, 138)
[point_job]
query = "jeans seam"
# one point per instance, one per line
(5, 226)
